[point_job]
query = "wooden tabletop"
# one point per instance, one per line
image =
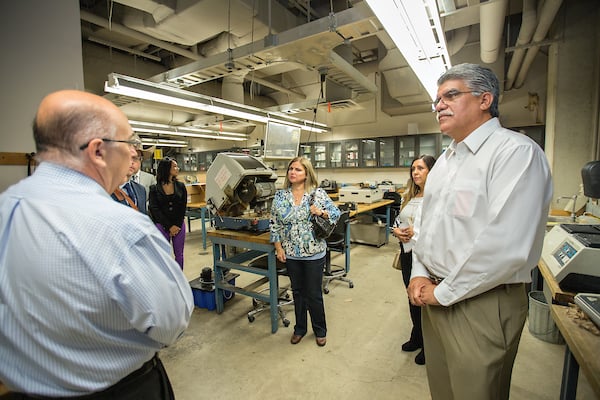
(364, 207)
(243, 235)
(558, 294)
(199, 204)
(583, 344)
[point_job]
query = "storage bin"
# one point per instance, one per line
(541, 324)
(373, 234)
(205, 298)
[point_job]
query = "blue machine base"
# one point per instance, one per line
(236, 224)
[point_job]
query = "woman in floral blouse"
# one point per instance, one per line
(295, 244)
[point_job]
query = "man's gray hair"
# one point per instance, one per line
(478, 79)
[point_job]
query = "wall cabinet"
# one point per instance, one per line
(187, 162)
(351, 153)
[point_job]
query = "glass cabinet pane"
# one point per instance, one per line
(351, 152)
(406, 150)
(320, 155)
(335, 155)
(210, 157)
(427, 145)
(306, 152)
(387, 151)
(369, 152)
(446, 140)
(187, 162)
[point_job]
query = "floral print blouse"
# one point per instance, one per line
(291, 224)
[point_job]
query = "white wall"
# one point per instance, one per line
(41, 43)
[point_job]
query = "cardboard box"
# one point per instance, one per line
(196, 193)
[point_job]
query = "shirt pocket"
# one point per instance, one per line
(465, 196)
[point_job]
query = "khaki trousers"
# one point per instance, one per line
(471, 346)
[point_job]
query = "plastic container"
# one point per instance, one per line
(541, 324)
(204, 298)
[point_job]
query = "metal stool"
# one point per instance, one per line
(283, 295)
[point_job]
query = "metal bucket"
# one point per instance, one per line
(541, 324)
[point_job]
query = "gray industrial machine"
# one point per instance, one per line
(572, 254)
(239, 191)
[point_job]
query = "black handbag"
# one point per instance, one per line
(322, 227)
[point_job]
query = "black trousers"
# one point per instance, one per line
(150, 382)
(306, 277)
(416, 335)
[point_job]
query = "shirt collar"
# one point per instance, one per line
(476, 138)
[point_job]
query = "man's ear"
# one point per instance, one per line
(96, 152)
(486, 100)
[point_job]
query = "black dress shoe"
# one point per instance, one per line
(420, 358)
(411, 346)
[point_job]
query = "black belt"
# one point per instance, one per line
(143, 370)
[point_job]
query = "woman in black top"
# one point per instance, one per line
(167, 205)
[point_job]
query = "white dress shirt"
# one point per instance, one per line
(484, 213)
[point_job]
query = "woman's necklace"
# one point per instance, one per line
(298, 195)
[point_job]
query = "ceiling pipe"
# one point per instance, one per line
(457, 39)
(89, 17)
(528, 25)
(491, 15)
(547, 15)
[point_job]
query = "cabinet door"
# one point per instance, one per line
(335, 155)
(428, 145)
(369, 153)
(351, 153)
(306, 151)
(387, 151)
(187, 162)
(319, 151)
(446, 140)
(406, 150)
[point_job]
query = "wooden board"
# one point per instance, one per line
(15, 158)
(583, 344)
(558, 294)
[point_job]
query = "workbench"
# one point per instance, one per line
(194, 211)
(582, 346)
(368, 208)
(257, 244)
(581, 351)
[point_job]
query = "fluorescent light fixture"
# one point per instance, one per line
(161, 93)
(416, 30)
(164, 142)
(168, 130)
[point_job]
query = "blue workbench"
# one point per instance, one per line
(257, 245)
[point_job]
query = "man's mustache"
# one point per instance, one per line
(444, 113)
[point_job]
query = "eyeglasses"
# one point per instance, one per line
(134, 142)
(450, 96)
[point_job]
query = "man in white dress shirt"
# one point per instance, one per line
(482, 229)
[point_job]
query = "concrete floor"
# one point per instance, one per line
(224, 356)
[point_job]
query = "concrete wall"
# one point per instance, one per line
(41, 43)
(574, 89)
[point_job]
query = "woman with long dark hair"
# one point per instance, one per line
(406, 232)
(167, 205)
